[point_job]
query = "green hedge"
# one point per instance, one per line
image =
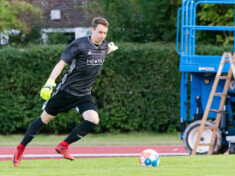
(138, 89)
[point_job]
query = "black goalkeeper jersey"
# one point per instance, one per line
(85, 62)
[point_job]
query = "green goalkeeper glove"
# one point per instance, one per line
(112, 47)
(47, 89)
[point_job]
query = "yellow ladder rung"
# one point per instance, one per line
(223, 77)
(205, 144)
(210, 128)
(215, 111)
(227, 60)
(220, 94)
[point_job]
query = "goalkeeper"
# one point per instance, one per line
(85, 57)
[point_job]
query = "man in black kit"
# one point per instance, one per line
(85, 57)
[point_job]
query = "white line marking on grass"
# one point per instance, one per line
(90, 155)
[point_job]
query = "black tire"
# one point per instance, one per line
(232, 148)
(190, 136)
(223, 149)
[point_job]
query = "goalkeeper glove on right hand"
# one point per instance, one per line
(112, 47)
(47, 89)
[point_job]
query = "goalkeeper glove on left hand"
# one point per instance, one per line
(47, 89)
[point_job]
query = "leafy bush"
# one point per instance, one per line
(33, 37)
(138, 89)
(62, 38)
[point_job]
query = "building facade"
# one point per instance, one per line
(68, 16)
(64, 16)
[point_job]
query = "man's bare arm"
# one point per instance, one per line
(57, 70)
(48, 87)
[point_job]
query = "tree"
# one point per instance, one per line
(138, 20)
(216, 15)
(12, 12)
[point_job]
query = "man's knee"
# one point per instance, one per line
(46, 118)
(91, 115)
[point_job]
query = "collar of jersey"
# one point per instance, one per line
(93, 43)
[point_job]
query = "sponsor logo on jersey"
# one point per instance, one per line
(95, 62)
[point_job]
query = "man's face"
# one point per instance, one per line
(99, 33)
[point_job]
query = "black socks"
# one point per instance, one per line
(77, 133)
(80, 131)
(32, 131)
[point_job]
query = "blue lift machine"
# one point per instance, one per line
(198, 74)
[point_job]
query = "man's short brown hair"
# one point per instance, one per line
(99, 20)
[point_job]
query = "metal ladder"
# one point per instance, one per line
(213, 93)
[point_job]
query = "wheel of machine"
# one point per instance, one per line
(232, 148)
(190, 136)
(223, 149)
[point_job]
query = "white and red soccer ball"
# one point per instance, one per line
(148, 158)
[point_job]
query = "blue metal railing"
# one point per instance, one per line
(187, 29)
(177, 36)
(210, 28)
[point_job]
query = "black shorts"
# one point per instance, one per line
(63, 102)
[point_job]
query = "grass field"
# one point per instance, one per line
(134, 138)
(216, 165)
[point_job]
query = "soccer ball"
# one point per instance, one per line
(149, 157)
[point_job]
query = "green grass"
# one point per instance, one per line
(135, 138)
(215, 165)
